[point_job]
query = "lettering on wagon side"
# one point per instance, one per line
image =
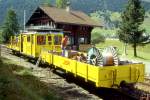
(66, 62)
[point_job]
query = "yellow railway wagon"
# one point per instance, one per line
(32, 43)
(15, 43)
(102, 76)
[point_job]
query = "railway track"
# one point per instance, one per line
(144, 89)
(79, 90)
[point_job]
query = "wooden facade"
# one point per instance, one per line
(78, 33)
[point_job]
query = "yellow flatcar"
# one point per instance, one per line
(102, 76)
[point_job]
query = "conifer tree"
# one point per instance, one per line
(61, 3)
(130, 30)
(10, 26)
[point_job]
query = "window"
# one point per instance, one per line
(41, 40)
(82, 40)
(49, 40)
(57, 40)
(28, 38)
(70, 40)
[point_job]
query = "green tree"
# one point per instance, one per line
(130, 29)
(10, 26)
(97, 38)
(61, 3)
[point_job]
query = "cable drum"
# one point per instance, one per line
(110, 56)
(94, 57)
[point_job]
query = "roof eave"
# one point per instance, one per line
(96, 25)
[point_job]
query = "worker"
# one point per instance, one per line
(64, 44)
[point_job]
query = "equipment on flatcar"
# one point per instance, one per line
(110, 56)
(95, 57)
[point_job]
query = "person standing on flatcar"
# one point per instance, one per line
(64, 44)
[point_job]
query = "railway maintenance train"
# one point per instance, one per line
(103, 69)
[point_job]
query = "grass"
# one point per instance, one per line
(18, 83)
(104, 32)
(146, 24)
(142, 52)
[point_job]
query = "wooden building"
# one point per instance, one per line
(77, 25)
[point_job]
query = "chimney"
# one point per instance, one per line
(68, 7)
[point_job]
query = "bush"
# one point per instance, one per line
(97, 38)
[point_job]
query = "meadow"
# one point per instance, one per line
(142, 51)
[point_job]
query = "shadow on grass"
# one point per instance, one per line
(18, 83)
(142, 58)
(22, 86)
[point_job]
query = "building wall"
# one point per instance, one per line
(79, 34)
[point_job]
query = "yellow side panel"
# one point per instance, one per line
(57, 60)
(112, 75)
(93, 73)
(64, 63)
(28, 48)
(24, 44)
(15, 43)
(82, 69)
(105, 78)
(137, 72)
(43, 55)
(46, 57)
(122, 73)
(49, 58)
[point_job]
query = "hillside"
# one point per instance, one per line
(88, 7)
(93, 5)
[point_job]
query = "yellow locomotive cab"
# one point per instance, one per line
(34, 43)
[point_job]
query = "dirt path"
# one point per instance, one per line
(68, 91)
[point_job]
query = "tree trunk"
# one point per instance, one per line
(135, 52)
(125, 49)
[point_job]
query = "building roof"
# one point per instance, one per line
(69, 17)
